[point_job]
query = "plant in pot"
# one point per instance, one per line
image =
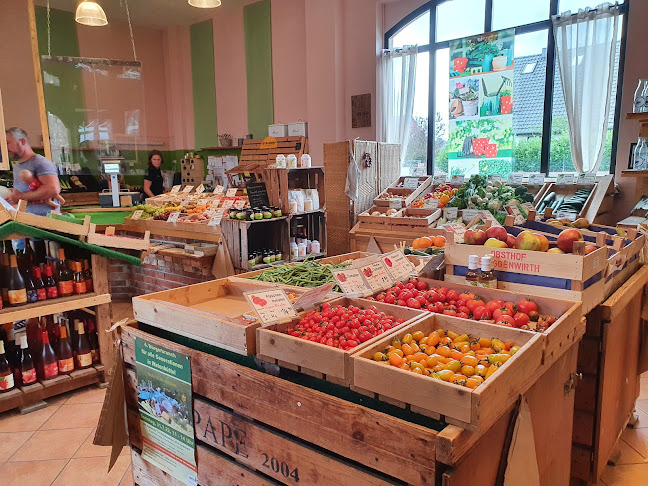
(225, 140)
(469, 100)
(485, 52)
(506, 101)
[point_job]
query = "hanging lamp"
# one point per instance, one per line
(205, 3)
(90, 13)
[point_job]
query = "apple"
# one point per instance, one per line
(510, 240)
(495, 243)
(497, 232)
(589, 249)
(544, 242)
(555, 250)
(527, 241)
(567, 238)
(472, 237)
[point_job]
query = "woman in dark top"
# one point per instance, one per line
(153, 178)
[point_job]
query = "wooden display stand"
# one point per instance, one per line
(193, 171)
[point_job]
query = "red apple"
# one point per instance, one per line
(527, 241)
(497, 232)
(510, 240)
(544, 242)
(567, 238)
(472, 237)
(589, 249)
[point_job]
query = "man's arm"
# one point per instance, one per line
(50, 188)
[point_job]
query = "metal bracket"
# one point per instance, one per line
(572, 382)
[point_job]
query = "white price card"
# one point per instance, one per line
(376, 275)
(398, 266)
(227, 204)
(231, 192)
(175, 189)
(411, 183)
(536, 179)
(581, 178)
(214, 204)
(351, 282)
(396, 203)
(566, 215)
(495, 177)
(590, 179)
(219, 189)
(137, 214)
(450, 213)
(311, 298)
(430, 203)
(513, 209)
(458, 230)
(200, 189)
(440, 179)
(488, 216)
(515, 179)
(173, 217)
(185, 201)
(565, 179)
(240, 204)
(457, 180)
(271, 305)
(468, 215)
(187, 189)
(216, 217)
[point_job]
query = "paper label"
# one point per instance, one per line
(311, 298)
(590, 179)
(216, 218)
(566, 215)
(565, 179)
(440, 179)
(227, 204)
(495, 177)
(84, 360)
(231, 192)
(450, 213)
(431, 203)
(468, 215)
(187, 189)
(137, 214)
(488, 216)
(66, 365)
(351, 282)
(7, 382)
(515, 179)
(175, 189)
(398, 266)
(271, 305)
(458, 230)
(536, 179)
(200, 189)
(240, 204)
(173, 217)
(457, 180)
(376, 275)
(581, 178)
(515, 211)
(219, 189)
(411, 183)
(396, 203)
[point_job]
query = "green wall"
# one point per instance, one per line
(258, 67)
(204, 86)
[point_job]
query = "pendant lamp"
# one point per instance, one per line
(205, 3)
(90, 13)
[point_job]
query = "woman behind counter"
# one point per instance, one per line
(153, 181)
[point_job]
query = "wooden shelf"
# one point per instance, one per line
(634, 173)
(314, 211)
(47, 307)
(637, 116)
(222, 149)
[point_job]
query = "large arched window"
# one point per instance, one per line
(540, 136)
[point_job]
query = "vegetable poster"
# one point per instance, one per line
(481, 103)
(166, 411)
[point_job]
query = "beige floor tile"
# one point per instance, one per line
(40, 473)
(89, 394)
(59, 400)
(643, 418)
(92, 471)
(642, 404)
(74, 416)
(630, 475)
(52, 444)
(643, 395)
(10, 442)
(13, 421)
(629, 455)
(638, 439)
(88, 449)
(127, 480)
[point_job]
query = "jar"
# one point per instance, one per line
(301, 249)
(277, 255)
(258, 214)
(305, 161)
(641, 154)
(308, 204)
(640, 104)
(276, 212)
(252, 259)
(281, 161)
(291, 161)
(294, 250)
(315, 246)
(267, 258)
(292, 206)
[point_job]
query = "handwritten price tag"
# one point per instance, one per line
(431, 204)
(468, 215)
(137, 214)
(450, 213)
(271, 305)
(590, 179)
(376, 276)
(175, 189)
(200, 189)
(488, 216)
(458, 230)
(536, 179)
(351, 282)
(395, 203)
(173, 217)
(457, 180)
(311, 298)
(515, 211)
(216, 217)
(410, 183)
(515, 179)
(187, 189)
(566, 215)
(231, 192)
(240, 204)
(564, 179)
(440, 179)
(397, 265)
(495, 177)
(227, 204)
(219, 190)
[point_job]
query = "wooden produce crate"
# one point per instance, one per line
(110, 240)
(200, 231)
(469, 409)
(407, 195)
(368, 221)
(243, 237)
(280, 181)
(252, 153)
(207, 311)
(388, 238)
(318, 359)
(415, 217)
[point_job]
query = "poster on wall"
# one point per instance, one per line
(166, 410)
(481, 104)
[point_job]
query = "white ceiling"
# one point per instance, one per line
(150, 13)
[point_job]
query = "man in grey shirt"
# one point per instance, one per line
(20, 150)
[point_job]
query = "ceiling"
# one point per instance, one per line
(149, 13)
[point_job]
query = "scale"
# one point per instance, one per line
(112, 166)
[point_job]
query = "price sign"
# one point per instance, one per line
(227, 204)
(175, 189)
(581, 178)
(468, 215)
(536, 179)
(137, 214)
(215, 204)
(396, 203)
(419, 171)
(488, 216)
(376, 275)
(450, 213)
(495, 177)
(565, 179)
(240, 204)
(187, 189)
(566, 215)
(439, 180)
(219, 189)
(173, 217)
(216, 217)
(590, 179)
(457, 180)
(185, 201)
(200, 189)
(351, 282)
(515, 211)
(457, 230)
(410, 183)
(398, 266)
(231, 192)
(430, 204)
(311, 298)
(271, 305)
(515, 179)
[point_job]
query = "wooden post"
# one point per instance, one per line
(103, 312)
(3, 139)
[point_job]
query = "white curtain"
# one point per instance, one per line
(398, 79)
(585, 51)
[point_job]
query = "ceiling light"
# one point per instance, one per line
(205, 3)
(90, 13)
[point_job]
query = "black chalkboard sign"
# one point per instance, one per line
(258, 194)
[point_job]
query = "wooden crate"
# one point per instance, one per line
(472, 409)
(324, 361)
(110, 240)
(49, 224)
(315, 225)
(207, 311)
(415, 217)
(252, 153)
(407, 195)
(193, 171)
(280, 181)
(180, 229)
(244, 237)
(389, 238)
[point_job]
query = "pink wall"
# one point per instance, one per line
(396, 10)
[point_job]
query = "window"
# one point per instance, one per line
(540, 138)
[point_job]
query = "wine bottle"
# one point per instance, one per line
(83, 349)
(39, 285)
(87, 273)
(65, 284)
(17, 358)
(50, 284)
(27, 368)
(5, 275)
(7, 382)
(28, 254)
(30, 288)
(16, 285)
(48, 363)
(94, 341)
(79, 280)
(65, 355)
(32, 332)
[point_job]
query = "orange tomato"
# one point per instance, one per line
(418, 335)
(444, 351)
(433, 339)
(454, 354)
(453, 365)
(395, 360)
(445, 375)
(469, 360)
(472, 383)
(467, 370)
(432, 360)
(458, 379)
(407, 349)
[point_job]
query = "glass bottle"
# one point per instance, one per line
(87, 274)
(39, 285)
(50, 284)
(487, 276)
(639, 105)
(48, 363)
(16, 284)
(83, 349)
(472, 275)
(65, 355)
(65, 283)
(4, 275)
(17, 359)
(94, 341)
(10, 346)
(30, 288)
(7, 382)
(79, 280)
(27, 367)
(641, 154)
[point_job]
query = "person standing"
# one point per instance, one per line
(153, 180)
(44, 170)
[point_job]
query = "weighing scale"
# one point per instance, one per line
(112, 167)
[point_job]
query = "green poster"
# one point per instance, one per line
(166, 410)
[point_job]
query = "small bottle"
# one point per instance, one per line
(4, 274)
(27, 367)
(16, 285)
(39, 285)
(79, 280)
(294, 250)
(641, 154)
(472, 275)
(487, 277)
(48, 364)
(83, 349)
(50, 283)
(87, 274)
(30, 288)
(64, 354)
(7, 382)
(94, 341)
(65, 283)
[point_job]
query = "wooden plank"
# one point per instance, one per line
(112, 241)
(353, 431)
(586, 394)
(199, 231)
(62, 304)
(583, 430)
(617, 303)
(50, 224)
(4, 151)
(11, 400)
(589, 355)
(581, 463)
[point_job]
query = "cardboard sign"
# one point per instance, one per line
(488, 216)
(565, 179)
(376, 276)
(240, 204)
(173, 217)
(175, 189)
(411, 183)
(216, 217)
(137, 214)
(450, 213)
(395, 203)
(398, 266)
(515, 179)
(536, 179)
(227, 204)
(219, 189)
(351, 282)
(439, 180)
(457, 180)
(311, 298)
(200, 189)
(271, 305)
(515, 211)
(231, 192)
(187, 189)
(431, 203)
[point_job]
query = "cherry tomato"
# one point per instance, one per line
(481, 312)
(526, 306)
(521, 319)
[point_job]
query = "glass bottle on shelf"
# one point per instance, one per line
(16, 284)
(487, 276)
(7, 382)
(50, 283)
(4, 274)
(64, 353)
(27, 367)
(83, 349)
(79, 280)
(87, 274)
(640, 97)
(94, 341)
(48, 363)
(641, 154)
(65, 283)
(39, 284)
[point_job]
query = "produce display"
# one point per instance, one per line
(497, 237)
(308, 273)
(391, 212)
(255, 214)
(444, 193)
(264, 257)
(390, 195)
(415, 294)
(426, 246)
(574, 204)
(447, 356)
(479, 193)
(343, 327)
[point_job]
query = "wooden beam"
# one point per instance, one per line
(3, 139)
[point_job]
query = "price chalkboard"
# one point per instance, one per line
(257, 194)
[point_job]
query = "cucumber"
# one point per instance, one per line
(549, 197)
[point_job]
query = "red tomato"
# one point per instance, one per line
(452, 295)
(481, 312)
(505, 320)
(527, 306)
(502, 311)
(421, 286)
(390, 298)
(449, 312)
(421, 299)
(521, 319)
(472, 303)
(405, 295)
(494, 304)
(413, 303)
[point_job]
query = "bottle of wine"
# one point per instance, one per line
(83, 349)
(50, 283)
(53, 329)
(94, 341)
(6, 373)
(87, 274)
(65, 355)
(27, 368)
(16, 285)
(28, 254)
(48, 363)
(17, 358)
(32, 332)
(32, 294)
(5, 274)
(65, 283)
(39, 285)
(79, 280)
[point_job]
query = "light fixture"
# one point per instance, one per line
(90, 13)
(205, 3)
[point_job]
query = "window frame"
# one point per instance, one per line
(432, 47)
